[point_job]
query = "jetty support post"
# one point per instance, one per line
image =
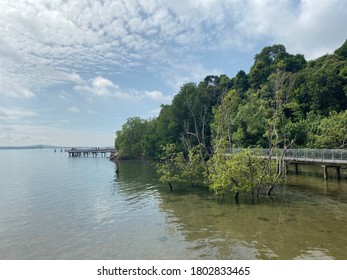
(296, 168)
(338, 173)
(325, 171)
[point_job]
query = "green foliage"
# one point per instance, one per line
(242, 170)
(321, 86)
(283, 99)
(272, 59)
(129, 140)
(151, 140)
(282, 102)
(168, 166)
(342, 51)
(251, 120)
(224, 121)
(174, 167)
(241, 82)
(298, 131)
(332, 131)
(190, 167)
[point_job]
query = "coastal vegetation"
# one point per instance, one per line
(283, 101)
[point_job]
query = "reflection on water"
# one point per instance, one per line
(79, 208)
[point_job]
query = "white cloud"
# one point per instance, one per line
(310, 27)
(13, 90)
(100, 82)
(102, 87)
(74, 109)
(107, 51)
(319, 28)
(92, 112)
(62, 41)
(58, 40)
(156, 95)
(15, 114)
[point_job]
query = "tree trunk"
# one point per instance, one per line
(269, 191)
(117, 164)
(170, 187)
(258, 191)
(237, 197)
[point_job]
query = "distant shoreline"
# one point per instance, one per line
(29, 147)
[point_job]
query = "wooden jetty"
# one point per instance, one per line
(77, 152)
(327, 158)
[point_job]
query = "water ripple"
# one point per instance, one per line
(56, 207)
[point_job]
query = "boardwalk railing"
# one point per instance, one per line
(313, 155)
(323, 156)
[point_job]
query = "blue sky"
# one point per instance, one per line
(73, 71)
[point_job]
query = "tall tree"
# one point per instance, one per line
(224, 121)
(271, 59)
(129, 141)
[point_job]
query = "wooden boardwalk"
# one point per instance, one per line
(77, 152)
(327, 158)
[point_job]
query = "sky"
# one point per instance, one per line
(73, 71)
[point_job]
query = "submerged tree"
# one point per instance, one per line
(242, 170)
(280, 86)
(190, 166)
(263, 119)
(167, 168)
(174, 167)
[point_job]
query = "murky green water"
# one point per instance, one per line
(58, 207)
